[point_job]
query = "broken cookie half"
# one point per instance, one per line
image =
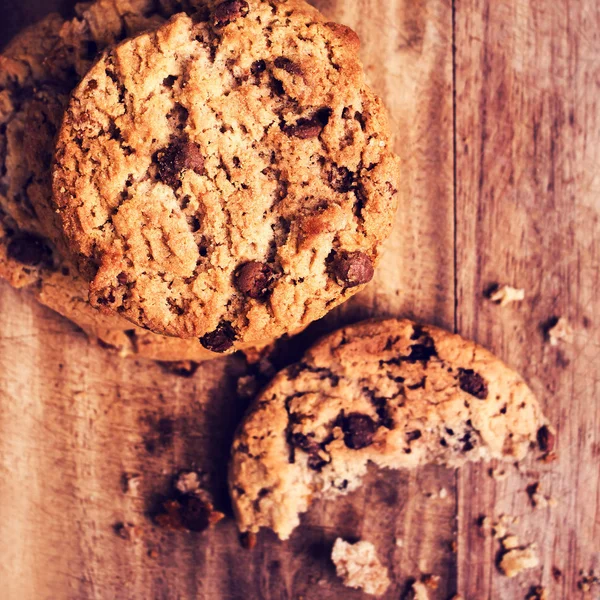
(389, 392)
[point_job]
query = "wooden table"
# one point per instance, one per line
(495, 103)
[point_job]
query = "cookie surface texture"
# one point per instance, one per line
(38, 70)
(229, 177)
(389, 392)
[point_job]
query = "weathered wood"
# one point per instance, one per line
(74, 419)
(528, 208)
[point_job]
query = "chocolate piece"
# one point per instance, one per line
(253, 279)
(358, 430)
(220, 340)
(351, 268)
(29, 249)
(229, 11)
(176, 158)
(473, 383)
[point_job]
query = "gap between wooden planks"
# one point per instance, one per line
(500, 186)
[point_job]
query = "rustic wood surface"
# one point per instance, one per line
(495, 106)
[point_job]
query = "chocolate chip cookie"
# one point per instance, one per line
(389, 392)
(38, 70)
(228, 177)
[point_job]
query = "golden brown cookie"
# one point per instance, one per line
(389, 392)
(38, 70)
(228, 177)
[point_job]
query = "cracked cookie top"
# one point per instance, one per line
(389, 392)
(38, 70)
(228, 177)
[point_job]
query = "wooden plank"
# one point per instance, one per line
(528, 149)
(74, 419)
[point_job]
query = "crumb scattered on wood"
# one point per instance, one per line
(130, 482)
(537, 498)
(125, 531)
(359, 567)
(560, 332)
(516, 558)
(443, 494)
(498, 473)
(498, 529)
(506, 295)
(399, 542)
(537, 592)
(417, 591)
(588, 581)
(189, 507)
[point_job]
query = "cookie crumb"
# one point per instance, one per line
(500, 529)
(587, 582)
(537, 498)
(443, 493)
(537, 592)
(125, 531)
(189, 507)
(498, 473)
(517, 558)
(507, 295)
(187, 482)
(359, 567)
(418, 591)
(431, 581)
(399, 542)
(560, 332)
(130, 482)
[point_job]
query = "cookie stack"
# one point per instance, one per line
(190, 179)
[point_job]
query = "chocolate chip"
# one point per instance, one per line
(467, 442)
(313, 449)
(323, 115)
(253, 279)
(195, 514)
(341, 179)
(258, 67)
(473, 383)
(229, 11)
(170, 81)
(177, 157)
(220, 340)
(422, 352)
(351, 268)
(411, 436)
(358, 430)
(29, 249)
(289, 66)
(546, 439)
(305, 129)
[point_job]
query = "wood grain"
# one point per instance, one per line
(74, 419)
(528, 200)
(494, 106)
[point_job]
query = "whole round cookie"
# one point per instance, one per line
(228, 177)
(38, 69)
(389, 392)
